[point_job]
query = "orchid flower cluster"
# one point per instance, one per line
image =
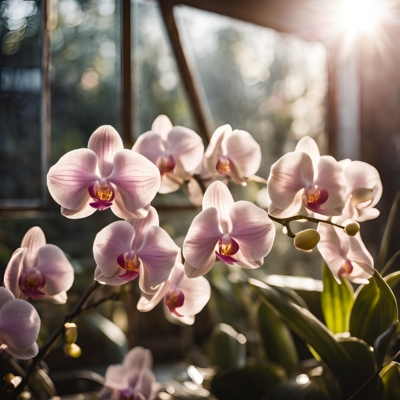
(302, 185)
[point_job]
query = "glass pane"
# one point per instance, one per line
(21, 99)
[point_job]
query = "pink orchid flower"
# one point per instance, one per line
(103, 175)
(304, 178)
(345, 255)
(237, 233)
(39, 270)
(363, 191)
(19, 326)
(184, 297)
(131, 380)
(125, 249)
(177, 152)
(232, 154)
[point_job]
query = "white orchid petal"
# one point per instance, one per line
(32, 240)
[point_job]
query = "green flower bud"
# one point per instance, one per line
(72, 350)
(306, 240)
(70, 333)
(352, 228)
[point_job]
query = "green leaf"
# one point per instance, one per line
(382, 342)
(313, 332)
(249, 383)
(391, 382)
(276, 339)
(375, 308)
(336, 301)
(392, 279)
(227, 347)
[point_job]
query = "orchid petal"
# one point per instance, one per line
(295, 208)
(105, 142)
(218, 196)
(112, 241)
(13, 272)
(244, 152)
(60, 298)
(200, 242)
(359, 254)
(5, 296)
(195, 192)
(214, 147)
(111, 280)
(33, 240)
(170, 183)
(244, 262)
(149, 144)
(197, 292)
(162, 125)
(117, 377)
(136, 179)
(147, 303)
(27, 354)
(290, 174)
(367, 214)
(84, 211)
(141, 225)
(58, 271)
(118, 208)
(138, 358)
(158, 255)
(69, 179)
(309, 146)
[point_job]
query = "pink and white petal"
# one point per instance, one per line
(288, 176)
(69, 179)
(162, 125)
(219, 197)
(197, 292)
(32, 240)
(138, 358)
(170, 183)
(244, 152)
(195, 192)
(5, 296)
(112, 241)
(238, 178)
(24, 354)
(367, 214)
(186, 319)
(201, 240)
(309, 146)
(331, 177)
(187, 148)
(136, 178)
(55, 266)
(112, 280)
(158, 254)
(84, 211)
(140, 227)
(192, 272)
(147, 303)
(13, 272)
(105, 142)
(358, 275)
(147, 387)
(359, 254)
(293, 209)
(243, 262)
(117, 377)
(214, 148)
(118, 208)
(349, 212)
(149, 144)
(252, 229)
(60, 298)
(19, 325)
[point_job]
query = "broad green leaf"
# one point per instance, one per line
(336, 301)
(382, 342)
(392, 279)
(375, 308)
(391, 382)
(313, 332)
(227, 347)
(249, 383)
(276, 339)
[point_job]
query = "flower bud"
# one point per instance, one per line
(70, 333)
(306, 240)
(352, 228)
(72, 350)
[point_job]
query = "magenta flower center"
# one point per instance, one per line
(346, 269)
(314, 196)
(166, 163)
(31, 281)
(102, 193)
(227, 248)
(173, 300)
(223, 165)
(131, 264)
(127, 394)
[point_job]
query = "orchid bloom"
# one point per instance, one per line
(103, 175)
(304, 178)
(363, 191)
(131, 380)
(19, 326)
(39, 270)
(232, 154)
(176, 151)
(184, 297)
(237, 233)
(345, 255)
(125, 249)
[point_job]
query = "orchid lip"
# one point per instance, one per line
(223, 165)
(102, 193)
(31, 281)
(173, 300)
(166, 163)
(313, 197)
(226, 259)
(346, 269)
(130, 263)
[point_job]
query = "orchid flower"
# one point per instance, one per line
(363, 191)
(345, 255)
(131, 380)
(176, 151)
(232, 154)
(304, 178)
(184, 297)
(124, 250)
(103, 175)
(237, 233)
(19, 326)
(39, 270)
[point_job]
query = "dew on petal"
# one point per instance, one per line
(31, 281)
(166, 163)
(173, 300)
(223, 165)
(103, 194)
(346, 269)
